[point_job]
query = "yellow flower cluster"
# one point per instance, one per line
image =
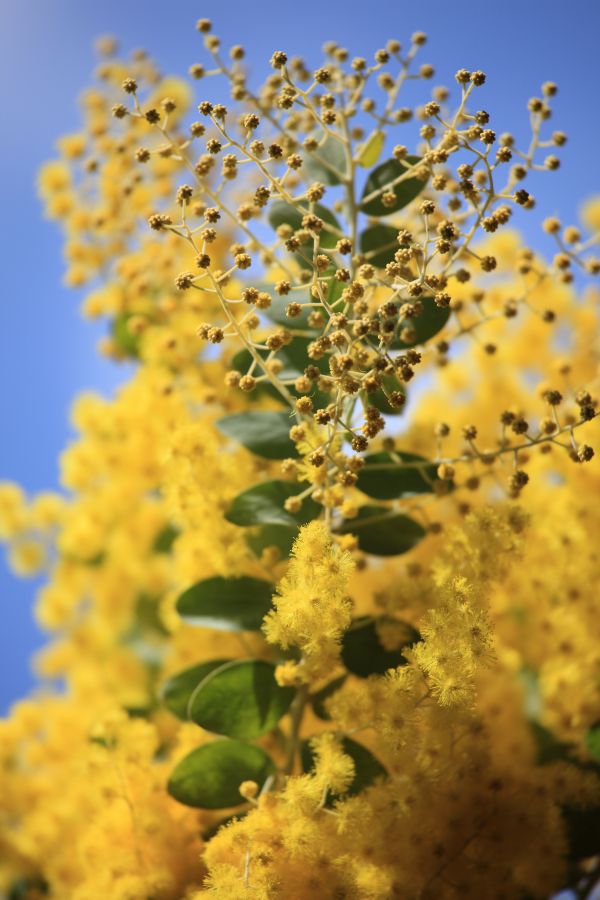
(459, 779)
(138, 523)
(98, 822)
(312, 609)
(412, 658)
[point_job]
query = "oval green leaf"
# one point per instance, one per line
(379, 243)
(295, 359)
(379, 400)
(263, 505)
(327, 163)
(295, 356)
(165, 539)
(147, 620)
(383, 532)
(363, 654)
(209, 777)
(366, 766)
(127, 343)
(318, 699)
(549, 748)
(266, 434)
(28, 887)
(226, 604)
(241, 700)
(582, 829)
(176, 692)
(432, 319)
(282, 213)
(241, 362)
(276, 313)
(386, 477)
(279, 536)
(592, 741)
(380, 181)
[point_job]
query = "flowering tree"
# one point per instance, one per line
(321, 586)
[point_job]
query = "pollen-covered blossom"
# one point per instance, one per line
(457, 634)
(312, 608)
(100, 821)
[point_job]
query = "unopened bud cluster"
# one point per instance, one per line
(341, 266)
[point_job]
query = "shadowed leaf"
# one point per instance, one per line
(226, 604)
(383, 532)
(209, 777)
(379, 182)
(363, 654)
(266, 434)
(240, 700)
(263, 504)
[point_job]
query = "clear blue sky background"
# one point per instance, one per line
(46, 351)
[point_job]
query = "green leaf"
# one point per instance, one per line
(127, 343)
(209, 777)
(266, 434)
(330, 151)
(432, 319)
(27, 888)
(583, 830)
(279, 536)
(164, 539)
(371, 149)
(363, 654)
(147, 616)
(276, 313)
(240, 700)
(226, 604)
(92, 561)
(379, 244)
(379, 400)
(176, 692)
(263, 505)
(592, 741)
(319, 697)
(549, 748)
(383, 532)
(335, 289)
(282, 213)
(384, 479)
(380, 178)
(241, 362)
(295, 359)
(366, 766)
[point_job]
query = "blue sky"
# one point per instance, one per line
(46, 351)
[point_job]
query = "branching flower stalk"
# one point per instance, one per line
(355, 312)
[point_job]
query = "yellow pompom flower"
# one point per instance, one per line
(312, 609)
(12, 510)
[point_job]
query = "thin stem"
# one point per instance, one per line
(296, 715)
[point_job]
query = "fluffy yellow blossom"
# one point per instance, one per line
(312, 608)
(12, 510)
(26, 557)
